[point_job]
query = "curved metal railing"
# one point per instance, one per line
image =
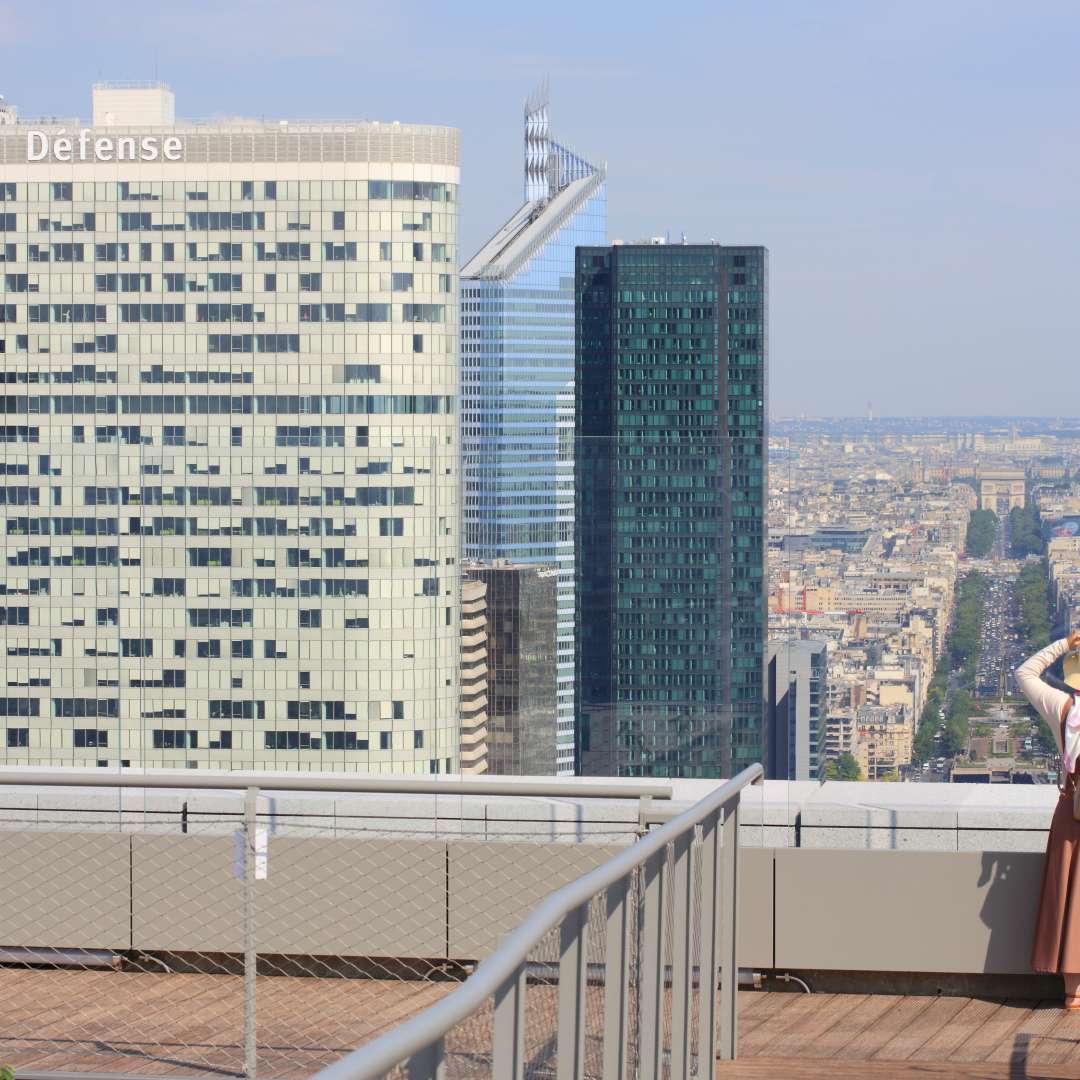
(662, 864)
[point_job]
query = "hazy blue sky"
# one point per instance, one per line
(913, 167)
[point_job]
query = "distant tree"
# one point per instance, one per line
(1025, 532)
(980, 533)
(845, 767)
(1033, 598)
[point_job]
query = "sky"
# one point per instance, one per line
(913, 167)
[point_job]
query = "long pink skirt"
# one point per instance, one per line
(1056, 947)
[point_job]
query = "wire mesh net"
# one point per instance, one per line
(123, 941)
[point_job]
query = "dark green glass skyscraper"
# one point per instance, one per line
(670, 482)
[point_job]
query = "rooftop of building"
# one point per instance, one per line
(142, 106)
(558, 182)
(886, 925)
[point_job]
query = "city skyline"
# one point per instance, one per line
(899, 162)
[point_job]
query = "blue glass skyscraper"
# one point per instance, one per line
(517, 370)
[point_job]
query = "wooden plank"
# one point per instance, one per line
(996, 1031)
(767, 1068)
(755, 1003)
(962, 1026)
(1059, 1042)
(851, 1025)
(926, 1025)
(1018, 1048)
(800, 1038)
(769, 1003)
(905, 1012)
(760, 1039)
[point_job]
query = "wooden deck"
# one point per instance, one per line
(841, 1036)
(189, 1024)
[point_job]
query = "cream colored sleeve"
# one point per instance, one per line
(1046, 698)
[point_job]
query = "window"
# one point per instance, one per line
(19, 706)
(85, 738)
(237, 710)
(208, 650)
(385, 739)
(343, 740)
(310, 618)
(305, 680)
(338, 219)
(345, 252)
(291, 740)
(86, 707)
(136, 647)
(209, 556)
(418, 740)
(175, 739)
(397, 710)
(222, 742)
(18, 737)
(242, 650)
(270, 283)
(392, 526)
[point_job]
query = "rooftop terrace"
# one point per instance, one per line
(139, 932)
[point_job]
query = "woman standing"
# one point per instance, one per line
(1057, 930)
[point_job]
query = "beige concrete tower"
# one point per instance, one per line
(230, 441)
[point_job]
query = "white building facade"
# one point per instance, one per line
(230, 442)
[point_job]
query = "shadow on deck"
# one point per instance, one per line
(840, 1036)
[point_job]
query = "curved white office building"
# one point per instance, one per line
(229, 441)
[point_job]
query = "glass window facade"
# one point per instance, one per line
(517, 359)
(670, 480)
(231, 483)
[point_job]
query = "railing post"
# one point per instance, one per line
(681, 968)
(573, 958)
(729, 958)
(651, 988)
(429, 1063)
(251, 804)
(710, 946)
(616, 978)
(508, 1041)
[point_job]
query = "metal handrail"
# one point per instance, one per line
(240, 781)
(492, 975)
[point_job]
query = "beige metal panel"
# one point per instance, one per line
(354, 898)
(906, 911)
(493, 886)
(320, 896)
(184, 896)
(755, 907)
(65, 890)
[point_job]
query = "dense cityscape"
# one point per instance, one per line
(579, 582)
(574, 579)
(911, 570)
